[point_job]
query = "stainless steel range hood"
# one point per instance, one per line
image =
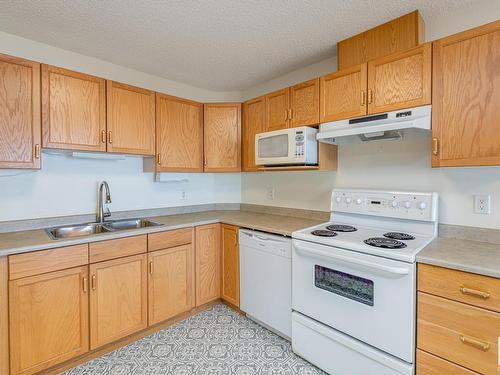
(382, 126)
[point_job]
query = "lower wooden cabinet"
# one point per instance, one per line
(230, 265)
(171, 282)
(428, 364)
(118, 299)
(49, 320)
(208, 263)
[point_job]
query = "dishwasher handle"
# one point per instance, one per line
(355, 263)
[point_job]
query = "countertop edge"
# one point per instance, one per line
(459, 266)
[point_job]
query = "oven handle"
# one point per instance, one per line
(357, 263)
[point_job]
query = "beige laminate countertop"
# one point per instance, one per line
(33, 240)
(463, 255)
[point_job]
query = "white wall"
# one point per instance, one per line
(67, 186)
(403, 165)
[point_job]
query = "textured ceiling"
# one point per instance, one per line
(220, 45)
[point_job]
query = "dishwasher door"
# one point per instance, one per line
(266, 279)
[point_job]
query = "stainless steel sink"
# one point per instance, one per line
(89, 229)
(129, 224)
(76, 231)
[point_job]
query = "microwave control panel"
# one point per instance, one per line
(299, 144)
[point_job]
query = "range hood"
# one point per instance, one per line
(382, 126)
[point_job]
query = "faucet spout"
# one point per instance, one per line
(101, 212)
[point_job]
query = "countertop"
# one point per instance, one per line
(33, 240)
(463, 255)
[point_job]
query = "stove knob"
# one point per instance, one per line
(359, 201)
(348, 200)
(422, 205)
(338, 199)
(407, 204)
(394, 203)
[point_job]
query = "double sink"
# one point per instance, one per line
(71, 231)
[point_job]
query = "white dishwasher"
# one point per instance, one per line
(266, 279)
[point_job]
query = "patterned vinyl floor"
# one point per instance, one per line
(216, 341)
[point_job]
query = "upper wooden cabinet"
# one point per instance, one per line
(396, 35)
(343, 94)
(19, 113)
(179, 134)
(304, 104)
(208, 263)
(73, 110)
(401, 80)
(130, 119)
(253, 123)
(49, 321)
(118, 299)
(222, 137)
(277, 110)
(466, 92)
(230, 264)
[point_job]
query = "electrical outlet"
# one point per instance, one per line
(270, 193)
(482, 204)
(183, 195)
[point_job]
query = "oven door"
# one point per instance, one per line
(276, 148)
(364, 296)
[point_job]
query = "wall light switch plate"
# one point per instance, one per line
(482, 204)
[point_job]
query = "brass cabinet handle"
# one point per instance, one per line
(370, 96)
(290, 113)
(478, 344)
(158, 159)
(37, 151)
(110, 140)
(92, 282)
(435, 146)
(103, 136)
(286, 114)
(84, 282)
(151, 267)
(363, 97)
(205, 161)
(474, 292)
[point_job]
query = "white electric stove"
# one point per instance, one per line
(354, 282)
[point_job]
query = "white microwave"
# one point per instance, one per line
(294, 146)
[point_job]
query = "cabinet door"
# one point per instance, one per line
(73, 110)
(304, 99)
(179, 134)
(118, 299)
(254, 123)
(401, 80)
(19, 113)
(466, 91)
(208, 259)
(343, 94)
(277, 110)
(48, 319)
(171, 282)
(230, 265)
(222, 137)
(130, 119)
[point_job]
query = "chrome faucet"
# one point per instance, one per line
(101, 212)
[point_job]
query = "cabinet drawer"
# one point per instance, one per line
(171, 238)
(428, 364)
(463, 334)
(477, 290)
(122, 247)
(38, 262)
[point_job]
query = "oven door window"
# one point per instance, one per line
(346, 285)
(274, 146)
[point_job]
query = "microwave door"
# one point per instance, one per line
(273, 149)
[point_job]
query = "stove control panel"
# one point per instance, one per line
(403, 205)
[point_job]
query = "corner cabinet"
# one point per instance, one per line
(466, 92)
(208, 263)
(130, 119)
(222, 137)
(230, 264)
(73, 110)
(19, 113)
(253, 123)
